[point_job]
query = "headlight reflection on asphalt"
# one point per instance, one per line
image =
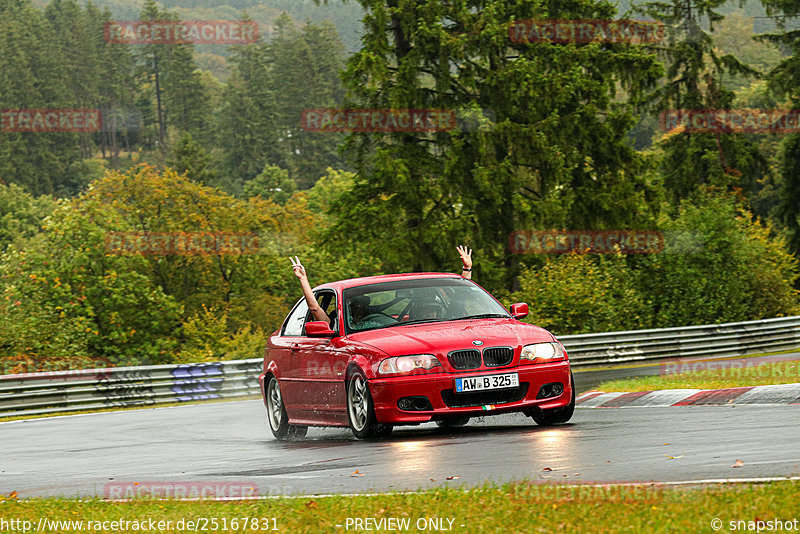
(411, 456)
(552, 447)
(550, 436)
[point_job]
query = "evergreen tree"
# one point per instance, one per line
(304, 70)
(246, 118)
(273, 183)
(694, 81)
(33, 75)
(784, 79)
(174, 82)
(555, 155)
(191, 159)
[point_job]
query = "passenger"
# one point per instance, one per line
(359, 306)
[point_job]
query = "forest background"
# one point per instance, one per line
(207, 140)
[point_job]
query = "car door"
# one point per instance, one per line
(284, 349)
(322, 366)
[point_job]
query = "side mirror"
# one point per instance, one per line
(519, 310)
(319, 329)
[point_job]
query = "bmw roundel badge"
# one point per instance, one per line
(477, 342)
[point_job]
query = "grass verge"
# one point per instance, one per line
(726, 375)
(514, 507)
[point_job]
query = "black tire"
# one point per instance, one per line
(453, 423)
(276, 413)
(361, 410)
(555, 416)
(297, 431)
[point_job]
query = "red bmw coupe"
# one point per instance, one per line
(408, 349)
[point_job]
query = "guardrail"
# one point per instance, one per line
(86, 389)
(727, 339)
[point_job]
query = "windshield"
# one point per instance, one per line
(416, 301)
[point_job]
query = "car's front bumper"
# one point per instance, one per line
(438, 389)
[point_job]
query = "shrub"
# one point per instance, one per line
(735, 270)
(578, 293)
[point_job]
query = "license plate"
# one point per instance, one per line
(480, 383)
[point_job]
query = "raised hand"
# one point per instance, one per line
(299, 270)
(466, 256)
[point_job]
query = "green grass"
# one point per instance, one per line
(516, 507)
(779, 372)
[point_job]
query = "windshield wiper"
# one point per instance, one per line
(418, 321)
(390, 325)
(481, 316)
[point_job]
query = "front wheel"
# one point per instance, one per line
(276, 414)
(555, 416)
(361, 410)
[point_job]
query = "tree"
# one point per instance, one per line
(176, 83)
(784, 79)
(273, 183)
(65, 301)
(537, 164)
(304, 73)
(21, 214)
(733, 269)
(189, 158)
(576, 294)
(93, 284)
(246, 119)
(694, 81)
(33, 76)
(734, 35)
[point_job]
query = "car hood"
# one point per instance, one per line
(452, 335)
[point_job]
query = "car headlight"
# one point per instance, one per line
(544, 352)
(408, 364)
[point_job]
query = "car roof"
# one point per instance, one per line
(365, 280)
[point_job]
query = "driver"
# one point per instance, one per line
(430, 310)
(359, 310)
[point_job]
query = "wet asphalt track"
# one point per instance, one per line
(79, 455)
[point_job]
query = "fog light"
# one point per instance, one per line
(553, 389)
(417, 403)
